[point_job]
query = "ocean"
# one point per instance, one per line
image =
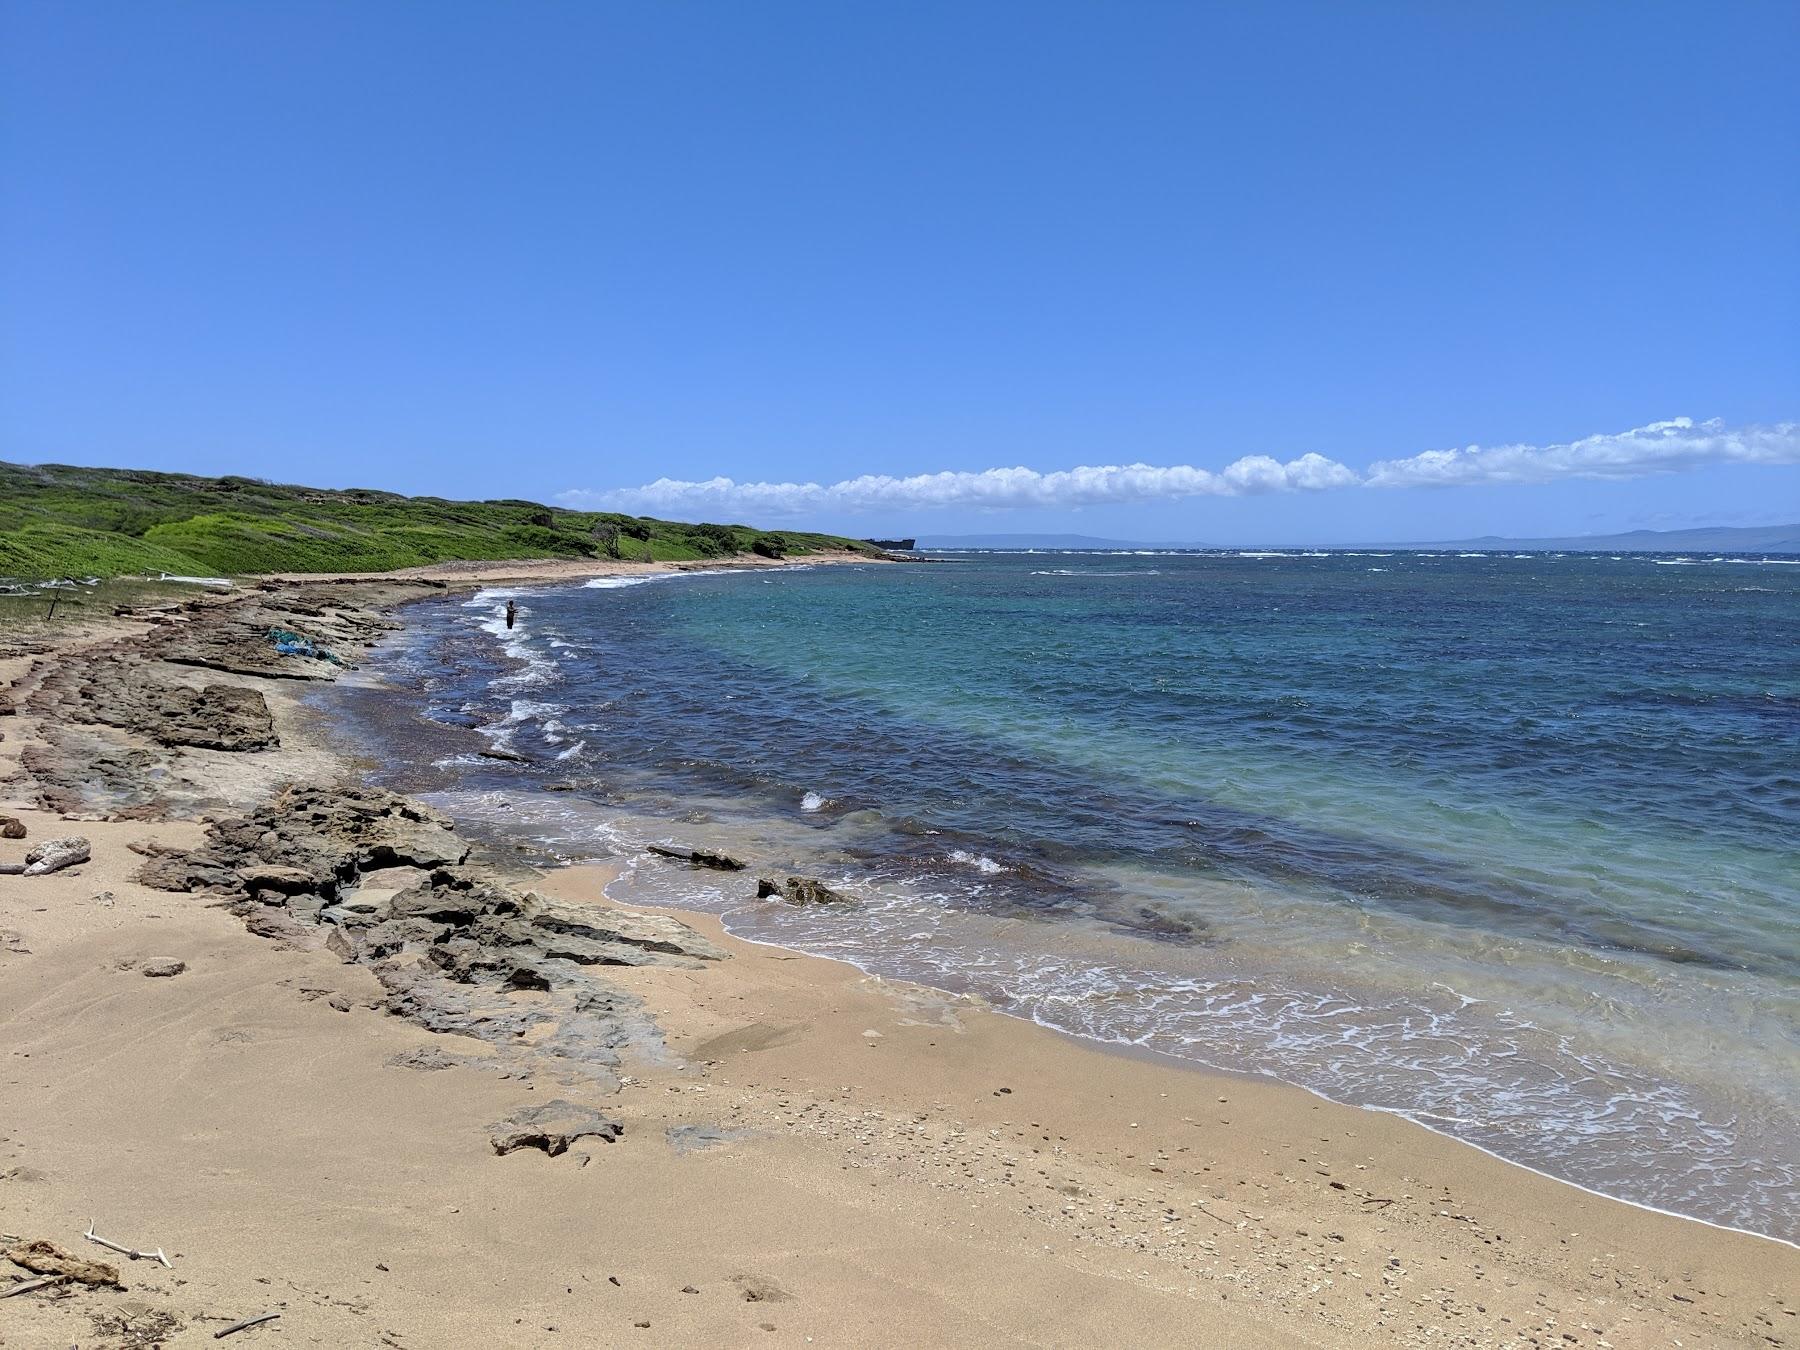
(1507, 845)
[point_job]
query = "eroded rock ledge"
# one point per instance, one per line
(384, 882)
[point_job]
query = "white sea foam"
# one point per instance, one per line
(980, 862)
(618, 583)
(812, 801)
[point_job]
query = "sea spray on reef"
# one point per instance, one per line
(1442, 840)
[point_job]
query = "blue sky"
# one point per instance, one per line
(535, 249)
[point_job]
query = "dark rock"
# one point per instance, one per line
(1155, 923)
(341, 945)
(552, 1126)
(395, 935)
(509, 756)
(449, 898)
(465, 961)
(287, 880)
(718, 862)
(318, 837)
(178, 870)
(11, 827)
(801, 891)
(527, 977)
(426, 1060)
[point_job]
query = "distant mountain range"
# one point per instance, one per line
(1708, 539)
(1003, 541)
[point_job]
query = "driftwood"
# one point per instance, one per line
(46, 1258)
(244, 1325)
(42, 1282)
(120, 1247)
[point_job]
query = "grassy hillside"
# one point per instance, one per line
(60, 521)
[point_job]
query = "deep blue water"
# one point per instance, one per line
(1510, 845)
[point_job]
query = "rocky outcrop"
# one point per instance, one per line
(311, 839)
(119, 726)
(122, 690)
(235, 638)
(452, 947)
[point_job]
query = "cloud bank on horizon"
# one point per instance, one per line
(1658, 448)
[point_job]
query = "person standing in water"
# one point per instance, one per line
(512, 612)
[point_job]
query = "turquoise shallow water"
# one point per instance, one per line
(1505, 844)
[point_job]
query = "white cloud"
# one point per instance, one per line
(1661, 447)
(989, 488)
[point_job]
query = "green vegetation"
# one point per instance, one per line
(58, 521)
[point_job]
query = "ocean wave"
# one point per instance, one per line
(1095, 572)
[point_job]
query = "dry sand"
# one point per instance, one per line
(819, 1158)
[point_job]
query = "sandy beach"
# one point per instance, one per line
(336, 1065)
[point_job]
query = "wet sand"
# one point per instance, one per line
(808, 1153)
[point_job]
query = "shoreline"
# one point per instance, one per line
(549, 571)
(1593, 1171)
(838, 1074)
(1163, 1059)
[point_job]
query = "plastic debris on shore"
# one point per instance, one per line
(221, 583)
(290, 643)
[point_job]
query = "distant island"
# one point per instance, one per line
(61, 521)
